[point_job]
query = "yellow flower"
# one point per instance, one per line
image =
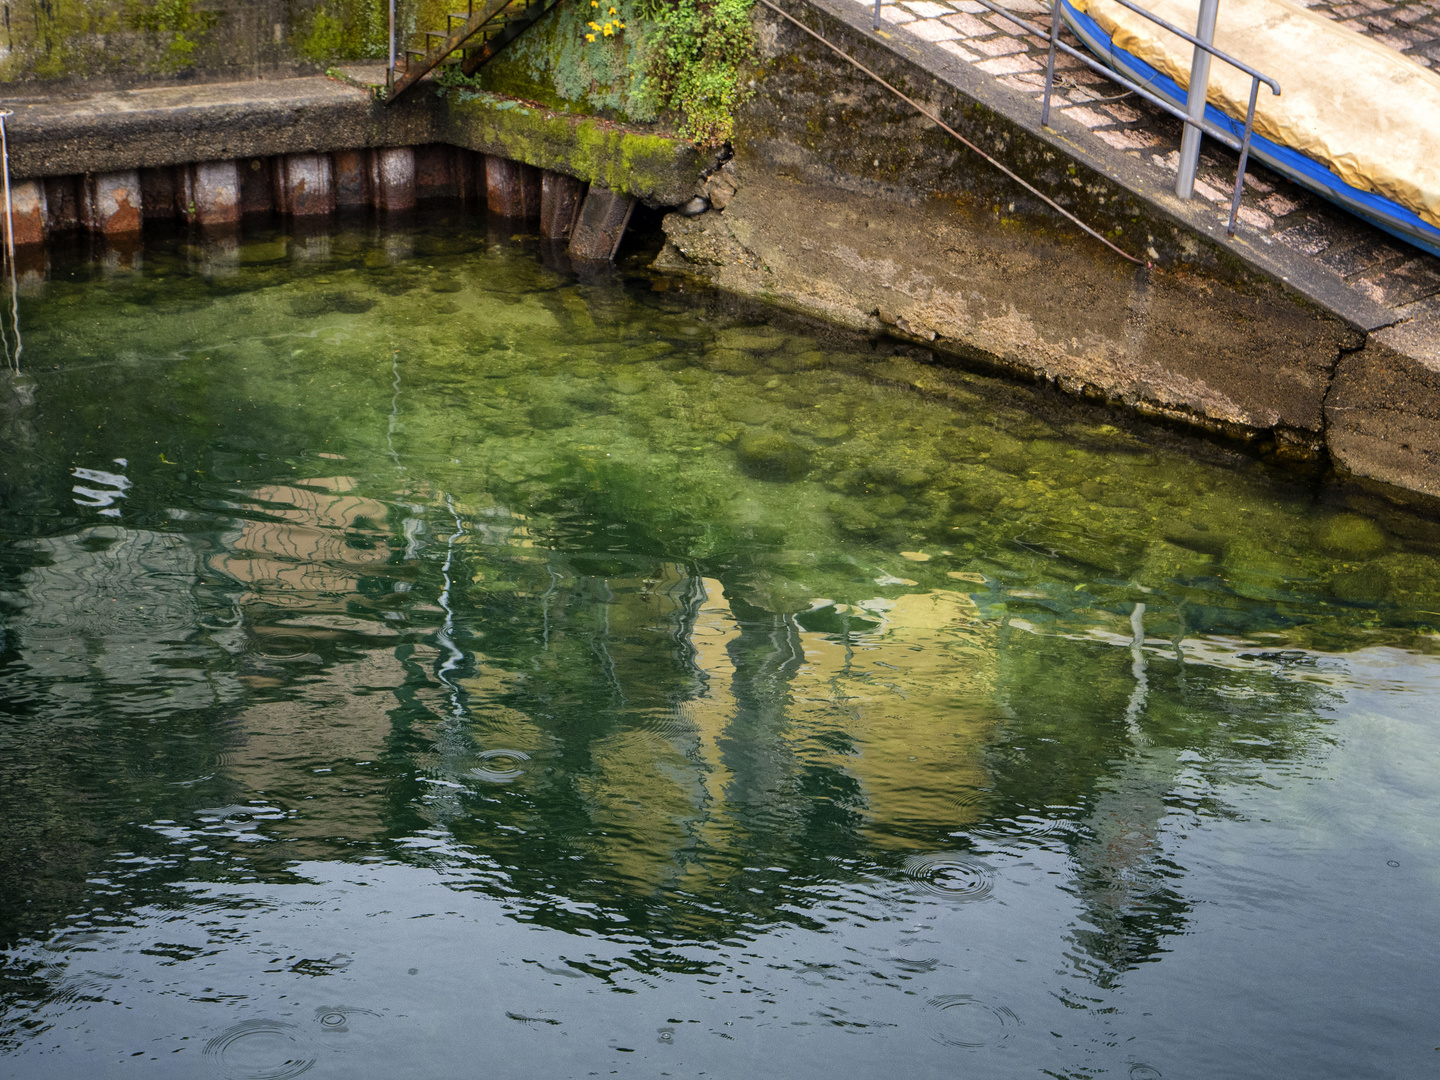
(608, 31)
(621, 25)
(589, 37)
(612, 11)
(593, 26)
(594, 3)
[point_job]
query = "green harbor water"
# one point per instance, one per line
(419, 659)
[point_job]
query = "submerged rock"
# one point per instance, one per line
(1403, 579)
(752, 339)
(770, 455)
(1350, 536)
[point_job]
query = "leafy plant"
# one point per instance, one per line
(694, 53)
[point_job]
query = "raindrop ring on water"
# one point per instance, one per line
(952, 875)
(501, 766)
(262, 1050)
(962, 1020)
(345, 1027)
(1144, 1072)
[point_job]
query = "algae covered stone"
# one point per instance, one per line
(1350, 536)
(771, 455)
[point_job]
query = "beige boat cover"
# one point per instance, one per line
(1365, 111)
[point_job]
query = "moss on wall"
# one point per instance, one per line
(134, 41)
(343, 30)
(554, 62)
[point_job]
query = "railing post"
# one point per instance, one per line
(1050, 63)
(1195, 104)
(392, 40)
(876, 23)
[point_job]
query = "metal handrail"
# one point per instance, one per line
(1213, 130)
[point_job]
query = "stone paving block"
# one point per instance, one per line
(1004, 25)
(1129, 140)
(1256, 219)
(1089, 117)
(1206, 191)
(898, 16)
(999, 45)
(933, 30)
(926, 9)
(1009, 65)
(1281, 205)
(1309, 237)
(969, 25)
(958, 50)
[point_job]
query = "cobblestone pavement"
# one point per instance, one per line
(1387, 270)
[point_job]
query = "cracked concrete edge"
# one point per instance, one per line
(1382, 413)
(924, 60)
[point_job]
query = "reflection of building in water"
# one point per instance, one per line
(302, 557)
(111, 607)
(313, 542)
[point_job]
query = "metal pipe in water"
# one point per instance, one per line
(1195, 103)
(10, 243)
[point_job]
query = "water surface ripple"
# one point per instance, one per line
(419, 657)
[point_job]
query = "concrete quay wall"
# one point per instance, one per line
(844, 203)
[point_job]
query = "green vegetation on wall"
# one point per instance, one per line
(345, 30)
(680, 61)
(176, 19)
(130, 41)
(701, 50)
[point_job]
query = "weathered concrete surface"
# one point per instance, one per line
(177, 125)
(28, 212)
(304, 185)
(392, 178)
(816, 118)
(110, 203)
(657, 169)
(1383, 412)
(212, 193)
(1248, 363)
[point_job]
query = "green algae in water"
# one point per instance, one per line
(786, 688)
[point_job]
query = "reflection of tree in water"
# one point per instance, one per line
(680, 737)
(1128, 779)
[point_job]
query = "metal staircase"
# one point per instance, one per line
(476, 35)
